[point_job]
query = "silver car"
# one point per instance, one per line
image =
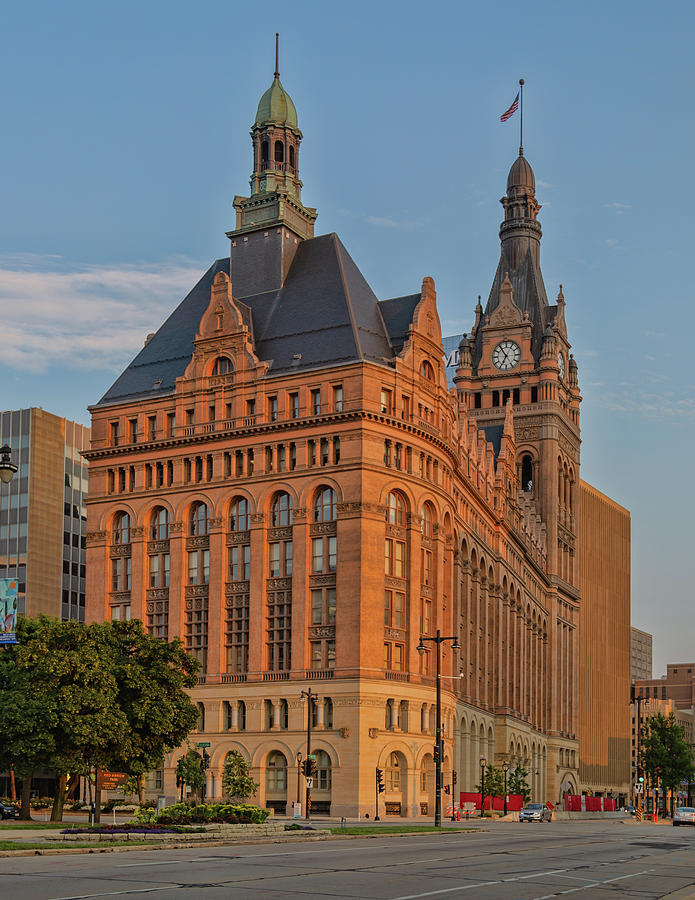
(684, 815)
(535, 812)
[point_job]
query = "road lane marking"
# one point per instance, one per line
(593, 884)
(460, 887)
(118, 893)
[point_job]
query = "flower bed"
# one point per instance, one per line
(203, 813)
(129, 829)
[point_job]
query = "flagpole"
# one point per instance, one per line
(521, 118)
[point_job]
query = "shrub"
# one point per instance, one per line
(231, 813)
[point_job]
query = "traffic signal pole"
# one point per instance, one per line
(311, 699)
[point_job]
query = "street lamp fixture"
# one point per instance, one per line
(483, 763)
(505, 769)
(438, 640)
(299, 769)
(7, 467)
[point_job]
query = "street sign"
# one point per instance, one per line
(310, 783)
(203, 744)
(109, 781)
(638, 788)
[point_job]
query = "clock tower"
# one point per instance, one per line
(518, 354)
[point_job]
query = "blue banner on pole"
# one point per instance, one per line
(8, 610)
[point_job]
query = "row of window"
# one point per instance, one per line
(317, 405)
(275, 714)
(324, 509)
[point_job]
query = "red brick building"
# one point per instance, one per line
(284, 478)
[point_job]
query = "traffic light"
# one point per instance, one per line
(309, 767)
(455, 777)
(380, 786)
(436, 752)
(206, 759)
(447, 789)
(640, 776)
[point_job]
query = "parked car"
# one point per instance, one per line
(7, 811)
(630, 809)
(684, 815)
(535, 812)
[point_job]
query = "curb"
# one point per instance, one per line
(285, 839)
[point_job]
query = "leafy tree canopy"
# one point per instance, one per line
(517, 782)
(666, 754)
(236, 780)
(494, 782)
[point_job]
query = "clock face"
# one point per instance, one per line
(506, 355)
(561, 364)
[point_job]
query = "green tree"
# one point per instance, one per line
(517, 782)
(236, 780)
(666, 754)
(190, 771)
(74, 697)
(494, 782)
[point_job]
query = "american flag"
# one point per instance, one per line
(512, 109)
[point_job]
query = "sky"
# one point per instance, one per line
(126, 138)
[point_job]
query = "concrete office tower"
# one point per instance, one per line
(640, 655)
(43, 516)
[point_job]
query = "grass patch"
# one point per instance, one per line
(395, 829)
(32, 825)
(66, 845)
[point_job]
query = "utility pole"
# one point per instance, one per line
(309, 767)
(438, 641)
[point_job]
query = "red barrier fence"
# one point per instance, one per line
(514, 801)
(575, 803)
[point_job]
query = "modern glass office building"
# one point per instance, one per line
(43, 517)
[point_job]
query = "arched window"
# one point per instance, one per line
(121, 528)
(425, 773)
(390, 716)
(200, 725)
(323, 771)
(395, 509)
(239, 514)
(199, 519)
(526, 473)
(159, 524)
(264, 152)
(241, 715)
(393, 773)
(284, 714)
(223, 366)
(281, 511)
(427, 521)
(328, 712)
(291, 156)
(427, 371)
(267, 714)
(279, 151)
(324, 505)
(276, 773)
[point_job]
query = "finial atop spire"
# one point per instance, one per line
(277, 42)
(521, 117)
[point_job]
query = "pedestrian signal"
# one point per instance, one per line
(380, 786)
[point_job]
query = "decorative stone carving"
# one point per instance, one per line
(157, 547)
(322, 528)
(278, 584)
(321, 631)
(299, 514)
(527, 433)
(394, 634)
(94, 537)
(238, 537)
(344, 732)
(236, 601)
(196, 590)
(280, 534)
(119, 597)
(321, 580)
(176, 527)
(120, 550)
(236, 587)
(257, 518)
(158, 593)
(398, 583)
(216, 522)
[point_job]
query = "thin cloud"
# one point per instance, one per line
(88, 317)
(384, 222)
(618, 208)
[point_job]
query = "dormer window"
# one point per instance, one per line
(427, 371)
(222, 366)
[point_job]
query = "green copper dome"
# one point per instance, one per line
(276, 107)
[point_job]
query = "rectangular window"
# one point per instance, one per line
(398, 610)
(113, 426)
(198, 566)
(294, 405)
(386, 401)
(272, 409)
(427, 567)
(154, 571)
(133, 430)
(317, 607)
(388, 600)
(240, 563)
(337, 397)
(311, 453)
(171, 419)
(190, 416)
(317, 555)
(151, 428)
(250, 407)
(211, 412)
(398, 657)
(387, 655)
(426, 617)
(237, 638)
(280, 559)
(316, 655)
(405, 407)
(330, 605)
(279, 630)
(399, 559)
(316, 402)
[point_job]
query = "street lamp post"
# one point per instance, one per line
(311, 698)
(483, 763)
(438, 639)
(505, 769)
(7, 467)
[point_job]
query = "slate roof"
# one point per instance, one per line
(529, 295)
(325, 311)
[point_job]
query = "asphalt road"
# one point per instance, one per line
(510, 861)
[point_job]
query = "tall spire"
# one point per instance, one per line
(277, 55)
(521, 117)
